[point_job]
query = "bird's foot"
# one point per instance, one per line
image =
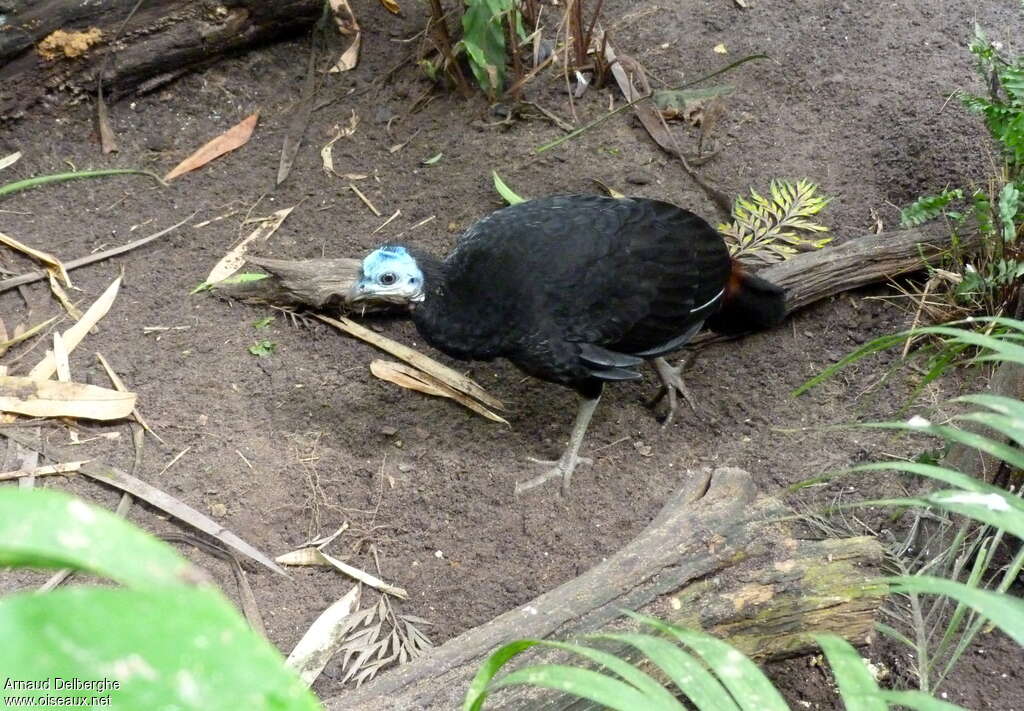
(563, 468)
(671, 385)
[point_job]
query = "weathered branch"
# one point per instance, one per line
(807, 277)
(164, 39)
(713, 559)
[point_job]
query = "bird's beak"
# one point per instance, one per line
(357, 292)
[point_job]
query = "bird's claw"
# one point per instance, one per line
(671, 384)
(563, 468)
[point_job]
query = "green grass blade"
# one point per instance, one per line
(981, 562)
(932, 471)
(477, 692)
(582, 683)
(917, 700)
(507, 194)
(1011, 427)
(856, 685)
(1002, 511)
(869, 348)
(17, 186)
(894, 634)
(660, 698)
(1000, 404)
(49, 529)
(172, 647)
(688, 674)
(1003, 611)
(748, 685)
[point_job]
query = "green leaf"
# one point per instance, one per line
(917, 700)
(688, 674)
(1009, 199)
(928, 207)
(240, 278)
(741, 677)
(856, 685)
(1003, 611)
(175, 647)
(49, 529)
(11, 188)
(483, 37)
(263, 348)
(582, 683)
(433, 159)
(477, 692)
(507, 194)
(263, 322)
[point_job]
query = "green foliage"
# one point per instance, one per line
(774, 228)
(987, 280)
(1003, 109)
(965, 585)
(166, 639)
(928, 207)
(714, 677)
(507, 194)
(483, 38)
(263, 349)
(262, 323)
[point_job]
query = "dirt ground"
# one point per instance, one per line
(284, 447)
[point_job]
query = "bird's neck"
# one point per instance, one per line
(452, 317)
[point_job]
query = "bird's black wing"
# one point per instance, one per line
(588, 286)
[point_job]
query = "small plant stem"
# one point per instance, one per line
(444, 42)
(619, 109)
(11, 188)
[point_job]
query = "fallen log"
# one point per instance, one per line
(807, 277)
(163, 40)
(715, 558)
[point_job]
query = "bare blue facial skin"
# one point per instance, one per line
(389, 273)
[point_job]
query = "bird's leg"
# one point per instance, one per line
(566, 464)
(671, 383)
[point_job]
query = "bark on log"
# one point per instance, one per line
(807, 277)
(715, 558)
(164, 39)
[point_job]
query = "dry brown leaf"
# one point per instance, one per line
(48, 398)
(39, 255)
(49, 470)
(62, 296)
(235, 137)
(315, 556)
(21, 334)
(119, 385)
(327, 152)
(348, 26)
(74, 335)
(391, 6)
(9, 160)
(450, 377)
(323, 638)
(408, 377)
(60, 357)
(233, 260)
(404, 376)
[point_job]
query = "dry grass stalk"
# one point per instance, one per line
(74, 335)
(408, 377)
(48, 398)
(450, 377)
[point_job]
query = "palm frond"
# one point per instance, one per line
(775, 227)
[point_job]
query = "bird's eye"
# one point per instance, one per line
(388, 278)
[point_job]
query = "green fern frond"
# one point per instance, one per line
(774, 228)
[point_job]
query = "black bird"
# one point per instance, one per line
(577, 290)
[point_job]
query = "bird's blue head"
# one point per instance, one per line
(389, 274)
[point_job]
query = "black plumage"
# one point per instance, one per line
(578, 290)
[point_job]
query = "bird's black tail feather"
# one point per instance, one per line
(750, 304)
